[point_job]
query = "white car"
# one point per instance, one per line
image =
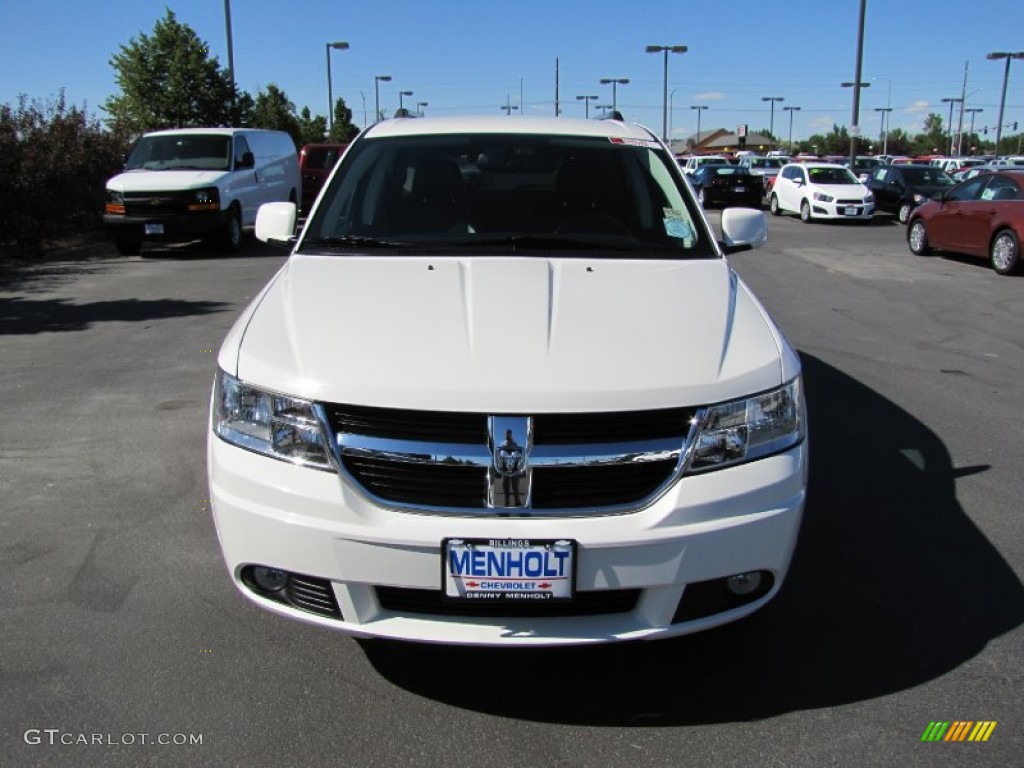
(694, 163)
(507, 390)
(820, 191)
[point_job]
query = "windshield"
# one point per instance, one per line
(766, 162)
(832, 176)
(193, 151)
(518, 191)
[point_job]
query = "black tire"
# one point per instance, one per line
(917, 238)
(128, 246)
(1005, 252)
(805, 212)
(903, 214)
(773, 205)
(231, 236)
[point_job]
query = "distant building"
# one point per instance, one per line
(720, 141)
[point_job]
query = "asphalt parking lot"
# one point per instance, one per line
(122, 641)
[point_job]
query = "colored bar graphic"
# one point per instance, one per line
(959, 730)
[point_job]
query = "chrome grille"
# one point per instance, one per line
(157, 203)
(578, 463)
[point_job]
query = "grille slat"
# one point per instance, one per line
(425, 481)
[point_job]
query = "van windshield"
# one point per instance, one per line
(205, 152)
(519, 191)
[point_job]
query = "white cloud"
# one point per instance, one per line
(710, 96)
(822, 124)
(918, 108)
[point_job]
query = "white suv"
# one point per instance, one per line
(821, 191)
(507, 390)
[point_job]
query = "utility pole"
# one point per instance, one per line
(960, 125)
(557, 110)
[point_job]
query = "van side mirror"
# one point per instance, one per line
(247, 161)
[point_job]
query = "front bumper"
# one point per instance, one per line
(304, 521)
(838, 210)
(168, 227)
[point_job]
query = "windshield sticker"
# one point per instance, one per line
(650, 144)
(676, 225)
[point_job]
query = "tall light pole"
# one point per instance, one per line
(949, 127)
(666, 49)
(231, 50)
(420, 106)
(377, 80)
(855, 128)
(995, 56)
(857, 85)
(586, 100)
(615, 82)
(700, 108)
(791, 110)
(330, 94)
(885, 134)
(771, 119)
(973, 111)
(401, 104)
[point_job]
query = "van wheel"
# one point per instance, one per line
(231, 237)
(128, 246)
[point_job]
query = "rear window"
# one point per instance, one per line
(521, 191)
(322, 158)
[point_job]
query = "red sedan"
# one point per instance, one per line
(983, 217)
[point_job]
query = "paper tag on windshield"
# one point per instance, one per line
(676, 225)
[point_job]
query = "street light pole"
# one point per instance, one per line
(1006, 77)
(586, 100)
(401, 104)
(771, 120)
(420, 105)
(377, 80)
(615, 82)
(973, 111)
(666, 49)
(231, 50)
(885, 134)
(949, 127)
(857, 85)
(330, 94)
(700, 108)
(791, 110)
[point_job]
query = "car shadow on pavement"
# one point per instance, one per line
(19, 315)
(892, 585)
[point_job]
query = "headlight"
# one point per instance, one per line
(275, 425)
(205, 200)
(743, 430)
(919, 198)
(115, 201)
(821, 197)
(869, 197)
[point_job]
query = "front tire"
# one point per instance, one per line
(1005, 252)
(773, 206)
(805, 212)
(231, 237)
(904, 212)
(917, 239)
(702, 198)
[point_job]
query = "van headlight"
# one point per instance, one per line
(115, 202)
(275, 425)
(748, 429)
(207, 199)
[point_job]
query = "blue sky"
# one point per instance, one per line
(470, 56)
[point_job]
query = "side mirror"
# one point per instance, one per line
(275, 223)
(939, 197)
(743, 229)
(248, 161)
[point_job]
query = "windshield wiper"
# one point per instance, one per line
(548, 243)
(354, 241)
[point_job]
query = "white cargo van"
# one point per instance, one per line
(199, 182)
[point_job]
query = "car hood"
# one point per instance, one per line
(842, 191)
(148, 181)
(508, 335)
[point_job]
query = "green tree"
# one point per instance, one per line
(933, 140)
(312, 130)
(343, 130)
(273, 110)
(169, 80)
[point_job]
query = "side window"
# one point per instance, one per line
(241, 147)
(880, 174)
(1000, 188)
(968, 191)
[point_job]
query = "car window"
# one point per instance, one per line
(462, 190)
(1000, 188)
(832, 176)
(241, 147)
(192, 151)
(968, 190)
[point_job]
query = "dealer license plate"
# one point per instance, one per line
(154, 229)
(739, 189)
(508, 570)
(851, 211)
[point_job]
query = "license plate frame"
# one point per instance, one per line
(154, 228)
(480, 569)
(851, 211)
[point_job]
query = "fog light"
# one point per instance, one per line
(270, 579)
(744, 583)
